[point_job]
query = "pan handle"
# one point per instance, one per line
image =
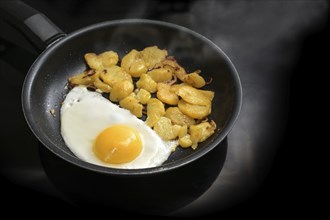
(35, 26)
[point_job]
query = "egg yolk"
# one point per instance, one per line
(118, 144)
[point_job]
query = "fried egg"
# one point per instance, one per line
(100, 132)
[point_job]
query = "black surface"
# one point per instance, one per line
(290, 188)
(283, 81)
(166, 191)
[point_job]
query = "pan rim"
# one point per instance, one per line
(45, 141)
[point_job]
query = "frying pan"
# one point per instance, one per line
(62, 55)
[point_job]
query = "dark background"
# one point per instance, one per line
(297, 55)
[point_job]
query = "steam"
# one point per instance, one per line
(263, 39)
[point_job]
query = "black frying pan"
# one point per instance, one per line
(62, 56)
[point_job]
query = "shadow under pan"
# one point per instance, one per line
(159, 193)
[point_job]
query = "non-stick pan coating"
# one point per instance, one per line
(45, 85)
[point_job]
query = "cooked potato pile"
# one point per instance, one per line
(151, 83)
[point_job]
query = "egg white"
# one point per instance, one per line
(85, 114)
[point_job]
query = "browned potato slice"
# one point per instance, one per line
(101, 61)
(183, 131)
(165, 95)
(155, 110)
(166, 130)
(121, 90)
(185, 141)
(101, 85)
(192, 95)
(152, 119)
(160, 75)
(113, 75)
(128, 60)
(138, 68)
(93, 61)
(134, 64)
(208, 94)
(199, 133)
(84, 78)
(143, 96)
(177, 117)
(147, 83)
(180, 72)
(194, 111)
(132, 104)
(194, 79)
(176, 87)
(109, 58)
(153, 55)
(154, 106)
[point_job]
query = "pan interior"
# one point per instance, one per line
(45, 86)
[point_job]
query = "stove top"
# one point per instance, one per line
(266, 41)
